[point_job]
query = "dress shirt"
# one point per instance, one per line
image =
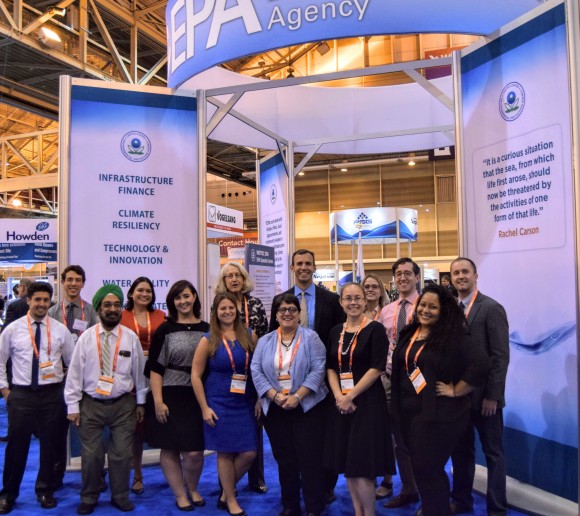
(388, 313)
(15, 343)
(310, 294)
(308, 368)
(466, 300)
(91, 316)
(85, 370)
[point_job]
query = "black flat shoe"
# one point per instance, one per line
(241, 513)
(185, 508)
(198, 503)
(222, 506)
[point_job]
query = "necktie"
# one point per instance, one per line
(463, 306)
(303, 310)
(70, 318)
(106, 353)
(402, 317)
(34, 375)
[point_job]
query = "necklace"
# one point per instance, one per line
(351, 340)
(287, 343)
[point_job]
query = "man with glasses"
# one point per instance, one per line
(107, 364)
(395, 316)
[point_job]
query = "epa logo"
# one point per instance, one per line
(512, 101)
(136, 146)
(273, 194)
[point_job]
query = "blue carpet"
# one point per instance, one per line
(158, 497)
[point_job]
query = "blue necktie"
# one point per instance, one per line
(34, 376)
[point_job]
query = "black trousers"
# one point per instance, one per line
(256, 471)
(430, 444)
(490, 430)
(31, 412)
(297, 440)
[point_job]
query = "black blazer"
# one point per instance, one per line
(327, 312)
(465, 361)
(16, 310)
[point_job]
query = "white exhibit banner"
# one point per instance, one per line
(273, 214)
(223, 222)
(132, 186)
(28, 240)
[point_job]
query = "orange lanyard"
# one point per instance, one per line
(413, 339)
(138, 328)
(397, 309)
(467, 310)
(117, 346)
(246, 312)
(352, 345)
(33, 340)
(232, 357)
(82, 310)
(294, 351)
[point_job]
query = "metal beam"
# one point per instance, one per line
(431, 89)
(29, 182)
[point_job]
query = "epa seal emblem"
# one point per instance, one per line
(512, 101)
(136, 146)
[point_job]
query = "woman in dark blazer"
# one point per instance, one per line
(435, 366)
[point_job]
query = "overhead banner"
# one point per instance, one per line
(132, 187)
(520, 227)
(377, 225)
(273, 214)
(211, 32)
(28, 240)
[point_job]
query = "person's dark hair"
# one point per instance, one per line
(130, 304)
(289, 299)
(303, 251)
(446, 277)
(215, 328)
(451, 322)
(177, 288)
(15, 289)
(403, 260)
(77, 269)
(467, 260)
(39, 286)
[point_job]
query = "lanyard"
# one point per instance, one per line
(232, 357)
(138, 328)
(413, 339)
(467, 310)
(246, 313)
(294, 351)
(82, 310)
(117, 346)
(353, 344)
(33, 340)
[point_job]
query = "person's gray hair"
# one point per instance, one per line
(248, 285)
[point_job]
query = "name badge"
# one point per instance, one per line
(80, 325)
(47, 370)
(285, 383)
(418, 380)
(105, 385)
(238, 385)
(346, 382)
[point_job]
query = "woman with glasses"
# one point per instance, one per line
(288, 370)
(357, 431)
(376, 295)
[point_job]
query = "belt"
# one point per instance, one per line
(45, 387)
(183, 369)
(107, 401)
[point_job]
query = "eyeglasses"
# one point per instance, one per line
(289, 309)
(233, 275)
(371, 287)
(117, 306)
(350, 299)
(406, 274)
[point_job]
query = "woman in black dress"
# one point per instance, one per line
(435, 366)
(174, 421)
(358, 430)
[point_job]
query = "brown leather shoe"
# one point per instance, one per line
(401, 500)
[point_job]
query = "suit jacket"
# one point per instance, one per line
(489, 329)
(327, 312)
(15, 310)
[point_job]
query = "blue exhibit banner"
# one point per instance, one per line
(520, 230)
(260, 262)
(203, 34)
(133, 195)
(28, 240)
(273, 212)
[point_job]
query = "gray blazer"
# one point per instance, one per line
(307, 369)
(489, 329)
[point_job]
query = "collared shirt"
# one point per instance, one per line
(15, 343)
(91, 316)
(388, 315)
(466, 300)
(85, 369)
(310, 294)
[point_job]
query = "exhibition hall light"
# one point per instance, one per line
(16, 203)
(48, 37)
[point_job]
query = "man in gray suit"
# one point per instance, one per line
(488, 324)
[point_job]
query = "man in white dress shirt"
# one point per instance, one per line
(35, 343)
(106, 365)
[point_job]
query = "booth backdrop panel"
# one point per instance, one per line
(133, 188)
(520, 232)
(28, 240)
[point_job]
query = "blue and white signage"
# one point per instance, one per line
(214, 31)
(28, 240)
(222, 221)
(260, 263)
(377, 225)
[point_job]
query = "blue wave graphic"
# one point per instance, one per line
(405, 232)
(544, 342)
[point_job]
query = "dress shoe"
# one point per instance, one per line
(138, 487)
(198, 503)
(123, 506)
(259, 488)
(185, 508)
(46, 501)
(401, 500)
(457, 508)
(329, 497)
(86, 508)
(222, 506)
(5, 506)
(241, 513)
(384, 491)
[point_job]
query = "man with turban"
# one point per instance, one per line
(106, 365)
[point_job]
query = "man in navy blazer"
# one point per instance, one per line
(488, 325)
(19, 307)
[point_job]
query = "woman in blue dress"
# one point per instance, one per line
(227, 398)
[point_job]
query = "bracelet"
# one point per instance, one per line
(299, 398)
